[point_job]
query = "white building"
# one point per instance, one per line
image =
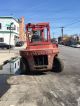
(5, 30)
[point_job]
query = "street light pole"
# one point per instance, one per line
(10, 36)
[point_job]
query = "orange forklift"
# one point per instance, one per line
(40, 54)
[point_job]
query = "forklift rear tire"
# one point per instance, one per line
(23, 66)
(58, 65)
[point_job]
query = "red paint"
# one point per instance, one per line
(42, 47)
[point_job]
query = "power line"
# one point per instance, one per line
(65, 26)
(72, 23)
(62, 27)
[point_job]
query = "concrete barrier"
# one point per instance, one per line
(11, 66)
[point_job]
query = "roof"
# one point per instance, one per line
(9, 17)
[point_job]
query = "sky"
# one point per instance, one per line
(58, 13)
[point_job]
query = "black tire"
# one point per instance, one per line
(58, 65)
(24, 68)
(7, 48)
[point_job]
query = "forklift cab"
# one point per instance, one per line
(38, 33)
(36, 37)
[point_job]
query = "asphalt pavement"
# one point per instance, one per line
(45, 89)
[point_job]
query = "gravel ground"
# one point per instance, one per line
(6, 56)
(45, 89)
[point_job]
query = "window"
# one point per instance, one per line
(1, 39)
(14, 27)
(0, 25)
(15, 65)
(18, 63)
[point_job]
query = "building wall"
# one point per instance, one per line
(5, 33)
(7, 21)
(21, 30)
(6, 38)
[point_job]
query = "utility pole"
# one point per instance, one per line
(62, 31)
(10, 35)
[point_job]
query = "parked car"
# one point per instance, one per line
(75, 45)
(4, 45)
(19, 43)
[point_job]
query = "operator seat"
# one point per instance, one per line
(35, 38)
